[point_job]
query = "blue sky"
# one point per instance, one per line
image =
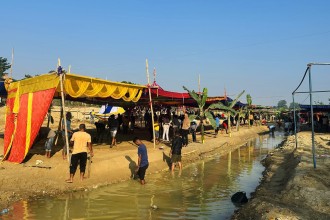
(260, 46)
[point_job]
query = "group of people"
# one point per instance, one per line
(114, 124)
(163, 125)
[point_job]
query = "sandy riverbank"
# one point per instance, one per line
(292, 188)
(21, 181)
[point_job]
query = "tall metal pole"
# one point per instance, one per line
(151, 107)
(295, 121)
(312, 113)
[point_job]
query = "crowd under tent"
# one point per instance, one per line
(28, 101)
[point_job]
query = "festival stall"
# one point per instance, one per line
(28, 101)
(163, 97)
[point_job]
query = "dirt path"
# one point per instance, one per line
(292, 188)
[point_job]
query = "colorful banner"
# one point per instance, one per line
(33, 108)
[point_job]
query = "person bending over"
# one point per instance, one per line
(143, 163)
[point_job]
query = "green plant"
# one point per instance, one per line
(203, 112)
(228, 108)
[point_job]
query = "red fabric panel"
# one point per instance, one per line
(10, 126)
(175, 95)
(40, 105)
(18, 146)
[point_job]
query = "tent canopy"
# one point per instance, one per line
(164, 97)
(28, 101)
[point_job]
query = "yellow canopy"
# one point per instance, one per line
(80, 86)
(77, 86)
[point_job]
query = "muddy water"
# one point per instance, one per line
(201, 191)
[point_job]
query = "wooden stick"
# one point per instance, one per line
(89, 166)
(64, 114)
(151, 108)
(59, 125)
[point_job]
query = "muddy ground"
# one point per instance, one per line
(292, 188)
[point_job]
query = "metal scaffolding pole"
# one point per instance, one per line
(310, 92)
(295, 121)
(312, 113)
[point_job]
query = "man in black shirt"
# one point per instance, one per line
(175, 152)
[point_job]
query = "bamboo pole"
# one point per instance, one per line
(12, 63)
(151, 107)
(59, 125)
(59, 71)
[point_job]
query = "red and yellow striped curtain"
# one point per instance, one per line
(27, 104)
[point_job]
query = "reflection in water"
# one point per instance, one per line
(201, 191)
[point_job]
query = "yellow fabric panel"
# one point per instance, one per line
(80, 86)
(28, 123)
(17, 96)
(74, 77)
(119, 92)
(108, 90)
(38, 83)
(137, 98)
(96, 88)
(12, 89)
(132, 94)
(77, 87)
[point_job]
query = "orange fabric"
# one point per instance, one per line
(40, 104)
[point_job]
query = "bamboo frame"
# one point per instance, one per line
(59, 71)
(151, 107)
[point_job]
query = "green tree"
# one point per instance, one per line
(203, 111)
(318, 103)
(241, 114)
(294, 104)
(282, 104)
(4, 66)
(127, 82)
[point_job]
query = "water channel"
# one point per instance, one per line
(201, 191)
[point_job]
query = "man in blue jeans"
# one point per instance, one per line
(142, 164)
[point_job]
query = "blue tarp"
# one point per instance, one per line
(316, 107)
(107, 109)
(238, 104)
(3, 92)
